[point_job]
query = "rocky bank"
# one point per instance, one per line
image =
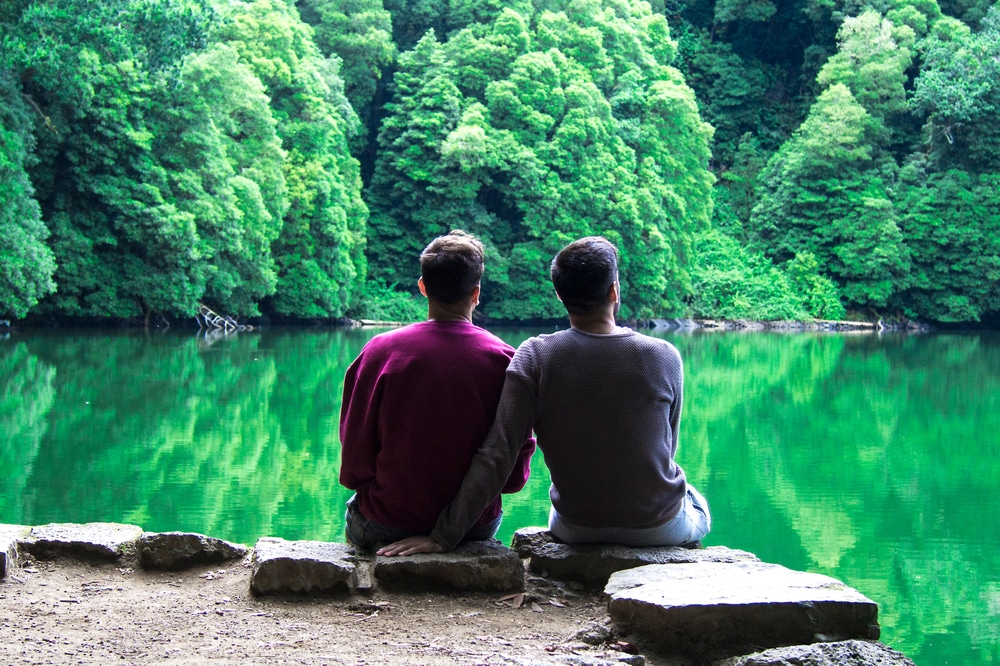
(538, 601)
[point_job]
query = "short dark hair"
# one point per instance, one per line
(583, 272)
(451, 266)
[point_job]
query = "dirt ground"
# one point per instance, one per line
(69, 612)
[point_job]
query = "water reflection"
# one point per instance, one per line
(872, 459)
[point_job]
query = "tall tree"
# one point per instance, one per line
(320, 250)
(825, 193)
(871, 64)
(122, 246)
(26, 262)
(216, 138)
(952, 225)
(958, 92)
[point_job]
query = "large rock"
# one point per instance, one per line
(171, 551)
(280, 566)
(724, 609)
(594, 563)
(844, 653)
(9, 536)
(94, 541)
(486, 566)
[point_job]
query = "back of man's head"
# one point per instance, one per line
(451, 267)
(583, 272)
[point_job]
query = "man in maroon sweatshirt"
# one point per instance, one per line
(418, 402)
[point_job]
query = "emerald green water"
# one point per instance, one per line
(871, 459)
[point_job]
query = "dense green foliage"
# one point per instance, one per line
(537, 136)
(867, 140)
(187, 153)
(27, 262)
(750, 158)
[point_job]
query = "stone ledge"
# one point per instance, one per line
(112, 542)
(724, 609)
(714, 603)
(298, 567)
(95, 541)
(595, 563)
(9, 536)
(280, 566)
(481, 566)
(172, 551)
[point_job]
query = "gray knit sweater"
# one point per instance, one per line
(605, 410)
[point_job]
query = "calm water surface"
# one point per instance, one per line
(870, 459)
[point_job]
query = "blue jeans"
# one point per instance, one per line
(369, 535)
(690, 524)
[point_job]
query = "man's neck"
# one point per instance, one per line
(597, 323)
(453, 312)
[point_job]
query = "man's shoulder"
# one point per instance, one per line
(570, 341)
(455, 337)
(653, 342)
(545, 348)
(483, 334)
(475, 339)
(655, 346)
(393, 335)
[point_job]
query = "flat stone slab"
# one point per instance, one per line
(279, 566)
(482, 566)
(172, 551)
(9, 536)
(101, 541)
(843, 653)
(724, 609)
(594, 563)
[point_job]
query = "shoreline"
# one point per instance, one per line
(79, 596)
(227, 324)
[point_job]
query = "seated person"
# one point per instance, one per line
(418, 402)
(605, 405)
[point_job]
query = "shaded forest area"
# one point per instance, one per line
(785, 159)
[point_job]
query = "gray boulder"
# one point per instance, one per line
(844, 653)
(485, 566)
(280, 566)
(93, 541)
(528, 539)
(719, 610)
(172, 551)
(594, 563)
(9, 535)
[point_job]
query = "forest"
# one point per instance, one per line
(289, 159)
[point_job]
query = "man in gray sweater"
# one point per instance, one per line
(605, 405)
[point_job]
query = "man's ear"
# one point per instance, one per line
(421, 286)
(613, 294)
(558, 296)
(474, 296)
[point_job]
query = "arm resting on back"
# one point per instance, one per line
(522, 468)
(493, 463)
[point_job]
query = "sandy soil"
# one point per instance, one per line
(68, 612)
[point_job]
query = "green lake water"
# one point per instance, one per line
(873, 459)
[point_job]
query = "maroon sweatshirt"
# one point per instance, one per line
(418, 402)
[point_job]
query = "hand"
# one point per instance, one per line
(411, 546)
